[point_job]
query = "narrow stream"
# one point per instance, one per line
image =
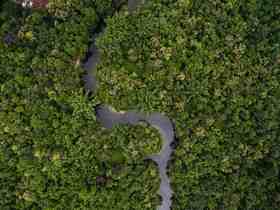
(108, 119)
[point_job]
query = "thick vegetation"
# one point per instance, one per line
(53, 153)
(214, 68)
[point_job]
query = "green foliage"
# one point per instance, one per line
(53, 153)
(213, 67)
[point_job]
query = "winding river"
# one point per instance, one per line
(108, 119)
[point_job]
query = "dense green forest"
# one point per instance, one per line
(53, 153)
(213, 67)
